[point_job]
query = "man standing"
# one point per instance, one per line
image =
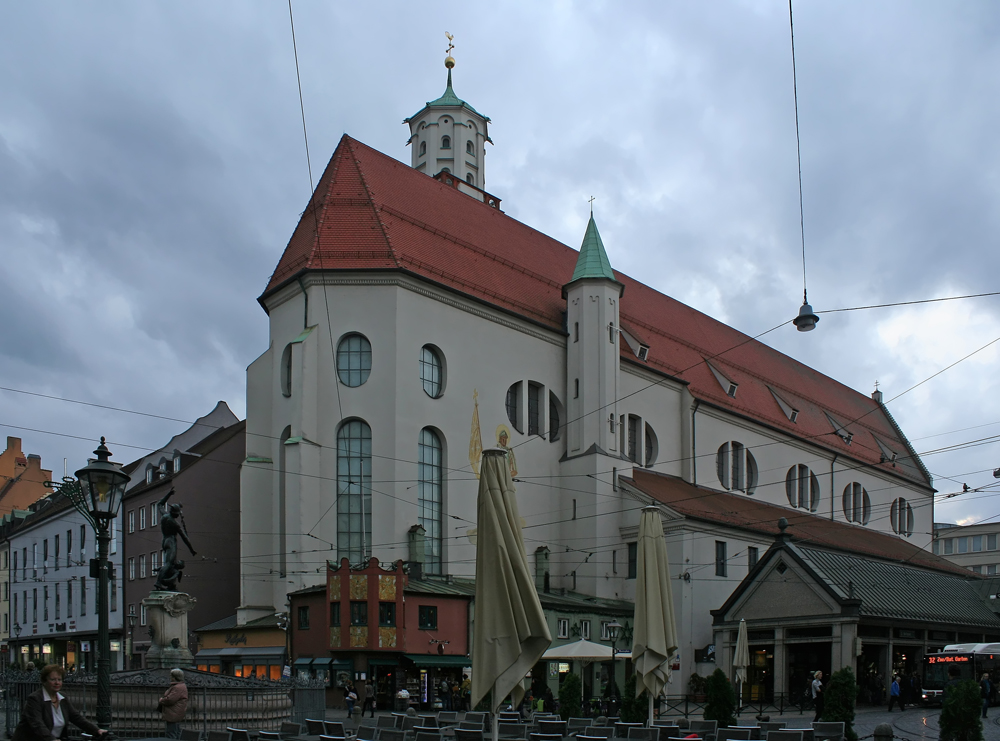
(984, 691)
(174, 703)
(894, 695)
(369, 698)
(817, 694)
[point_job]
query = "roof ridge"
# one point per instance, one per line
(371, 200)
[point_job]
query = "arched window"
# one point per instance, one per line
(652, 448)
(354, 491)
(901, 516)
(469, 179)
(857, 505)
(736, 467)
(431, 371)
(555, 421)
(282, 501)
(469, 148)
(423, 148)
(445, 142)
(286, 371)
(430, 468)
(513, 406)
(802, 488)
(354, 359)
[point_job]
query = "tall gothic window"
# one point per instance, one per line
(429, 496)
(354, 490)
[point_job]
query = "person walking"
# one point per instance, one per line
(350, 697)
(894, 694)
(817, 694)
(985, 689)
(174, 703)
(46, 714)
(369, 699)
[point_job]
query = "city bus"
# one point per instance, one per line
(972, 661)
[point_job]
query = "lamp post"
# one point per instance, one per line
(17, 635)
(614, 629)
(132, 618)
(98, 497)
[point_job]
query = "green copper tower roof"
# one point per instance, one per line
(593, 261)
(450, 100)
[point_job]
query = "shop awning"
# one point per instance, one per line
(439, 661)
(322, 663)
(241, 653)
(303, 663)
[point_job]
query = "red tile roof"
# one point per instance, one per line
(762, 518)
(372, 212)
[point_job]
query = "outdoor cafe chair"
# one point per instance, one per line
(544, 737)
(449, 717)
(585, 737)
(238, 734)
(643, 734)
(429, 721)
(828, 731)
(621, 729)
(785, 735)
(336, 728)
(599, 731)
(289, 729)
(552, 727)
(477, 718)
(367, 733)
(505, 716)
(733, 734)
(391, 734)
(471, 725)
(315, 727)
(267, 736)
(512, 730)
(190, 735)
(467, 734)
(324, 737)
(219, 735)
(771, 725)
(427, 734)
(427, 731)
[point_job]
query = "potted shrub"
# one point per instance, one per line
(696, 687)
(721, 706)
(961, 713)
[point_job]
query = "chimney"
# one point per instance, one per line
(542, 568)
(418, 549)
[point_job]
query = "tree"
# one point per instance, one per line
(721, 699)
(960, 713)
(634, 709)
(839, 696)
(570, 697)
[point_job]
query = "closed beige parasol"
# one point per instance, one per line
(510, 633)
(655, 638)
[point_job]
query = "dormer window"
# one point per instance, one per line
(728, 386)
(177, 462)
(643, 352)
(842, 432)
(423, 148)
(150, 474)
(789, 411)
(445, 142)
(469, 148)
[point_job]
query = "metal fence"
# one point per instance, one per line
(685, 706)
(215, 702)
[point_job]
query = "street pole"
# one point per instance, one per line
(103, 635)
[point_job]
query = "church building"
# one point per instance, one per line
(413, 323)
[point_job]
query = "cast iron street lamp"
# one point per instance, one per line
(98, 497)
(614, 628)
(17, 634)
(132, 618)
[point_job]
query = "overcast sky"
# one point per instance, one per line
(152, 169)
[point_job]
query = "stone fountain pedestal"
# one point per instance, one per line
(166, 615)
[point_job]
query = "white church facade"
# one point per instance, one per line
(413, 323)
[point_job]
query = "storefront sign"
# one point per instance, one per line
(234, 639)
(116, 645)
(85, 646)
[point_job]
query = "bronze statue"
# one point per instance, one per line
(171, 525)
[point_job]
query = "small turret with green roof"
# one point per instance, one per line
(593, 261)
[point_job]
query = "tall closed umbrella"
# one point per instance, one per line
(510, 633)
(741, 659)
(654, 639)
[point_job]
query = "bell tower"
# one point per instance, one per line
(450, 135)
